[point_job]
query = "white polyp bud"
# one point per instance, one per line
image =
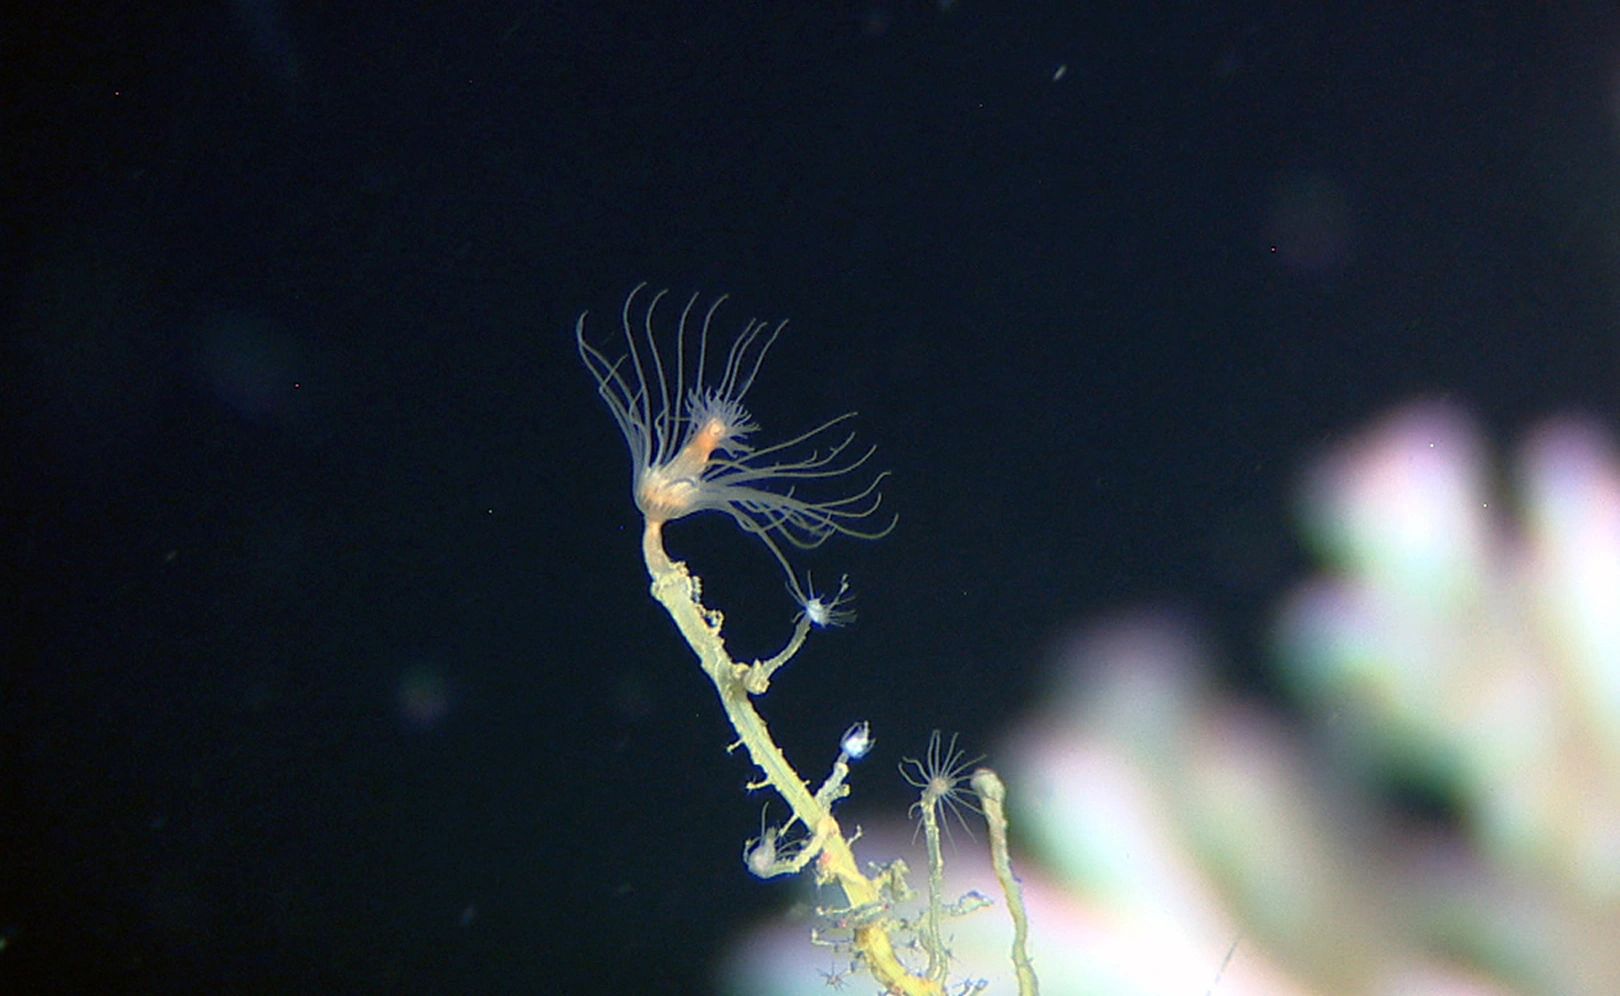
(760, 856)
(857, 740)
(824, 610)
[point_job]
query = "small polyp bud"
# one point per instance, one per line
(857, 740)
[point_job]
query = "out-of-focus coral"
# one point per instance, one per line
(1438, 812)
(1471, 646)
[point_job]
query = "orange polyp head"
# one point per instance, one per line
(689, 433)
(662, 495)
(671, 490)
(707, 439)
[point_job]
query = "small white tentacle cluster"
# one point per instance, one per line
(857, 740)
(823, 610)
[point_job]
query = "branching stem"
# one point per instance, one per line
(676, 589)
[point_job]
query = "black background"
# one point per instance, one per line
(294, 421)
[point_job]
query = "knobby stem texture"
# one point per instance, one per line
(679, 592)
